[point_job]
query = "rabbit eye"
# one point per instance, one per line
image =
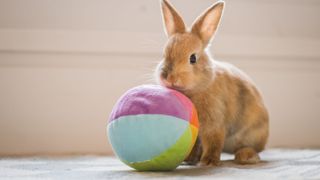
(193, 59)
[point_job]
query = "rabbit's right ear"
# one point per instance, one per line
(171, 19)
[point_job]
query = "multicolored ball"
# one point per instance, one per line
(153, 128)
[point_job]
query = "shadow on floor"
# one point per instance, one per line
(193, 171)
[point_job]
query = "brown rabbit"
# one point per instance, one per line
(231, 112)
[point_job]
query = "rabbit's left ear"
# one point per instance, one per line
(206, 24)
(171, 19)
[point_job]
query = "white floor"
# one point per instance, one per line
(277, 164)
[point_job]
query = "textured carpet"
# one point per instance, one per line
(277, 164)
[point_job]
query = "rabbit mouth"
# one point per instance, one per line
(178, 88)
(170, 85)
(173, 86)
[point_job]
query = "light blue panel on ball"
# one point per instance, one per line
(137, 138)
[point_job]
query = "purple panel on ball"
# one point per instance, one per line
(150, 99)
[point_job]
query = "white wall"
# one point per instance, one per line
(63, 64)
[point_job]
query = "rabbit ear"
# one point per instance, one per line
(206, 24)
(171, 19)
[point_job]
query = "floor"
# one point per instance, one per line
(277, 164)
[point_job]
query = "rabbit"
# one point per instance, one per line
(232, 114)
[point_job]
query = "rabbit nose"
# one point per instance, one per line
(164, 74)
(166, 69)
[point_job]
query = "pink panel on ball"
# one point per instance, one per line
(186, 102)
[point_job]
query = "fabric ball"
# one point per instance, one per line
(153, 128)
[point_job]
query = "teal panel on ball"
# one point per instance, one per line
(137, 138)
(170, 158)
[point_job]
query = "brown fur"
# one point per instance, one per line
(231, 112)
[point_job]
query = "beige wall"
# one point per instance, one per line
(63, 64)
